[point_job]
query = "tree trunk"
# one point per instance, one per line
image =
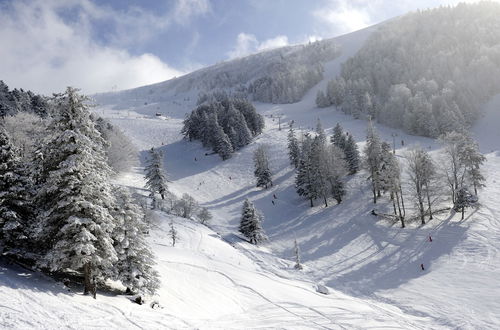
(399, 210)
(428, 201)
(87, 285)
(374, 195)
(463, 212)
(402, 201)
(326, 202)
(311, 200)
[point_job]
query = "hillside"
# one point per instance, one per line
(344, 245)
(213, 279)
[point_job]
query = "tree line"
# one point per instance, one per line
(223, 123)
(322, 164)
(59, 211)
(427, 72)
(459, 169)
(19, 100)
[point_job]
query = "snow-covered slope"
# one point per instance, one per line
(345, 246)
(372, 267)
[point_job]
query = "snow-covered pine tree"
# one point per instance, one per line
(15, 195)
(135, 266)
(243, 134)
(464, 199)
(339, 138)
(74, 197)
(305, 179)
(251, 223)
(321, 100)
(296, 251)
(156, 180)
(172, 232)
(223, 145)
(352, 155)
(372, 159)
(472, 160)
(293, 147)
(337, 169)
(261, 162)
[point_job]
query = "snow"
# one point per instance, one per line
(213, 279)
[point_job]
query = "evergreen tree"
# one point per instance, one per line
(305, 180)
(155, 177)
(15, 196)
(472, 160)
(293, 147)
(352, 155)
(223, 145)
(321, 100)
(74, 196)
(338, 138)
(135, 266)
(262, 172)
(464, 199)
(251, 223)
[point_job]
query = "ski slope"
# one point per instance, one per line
(212, 279)
(344, 246)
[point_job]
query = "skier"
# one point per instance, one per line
(422, 266)
(430, 238)
(272, 201)
(274, 196)
(230, 178)
(195, 159)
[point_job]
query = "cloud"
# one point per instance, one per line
(185, 9)
(335, 17)
(279, 41)
(344, 16)
(247, 44)
(45, 53)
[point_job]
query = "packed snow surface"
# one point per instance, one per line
(213, 279)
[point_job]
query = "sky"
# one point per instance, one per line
(106, 45)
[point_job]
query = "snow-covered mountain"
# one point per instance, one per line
(213, 279)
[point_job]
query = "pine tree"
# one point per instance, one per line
(352, 155)
(251, 223)
(223, 145)
(464, 199)
(305, 179)
(296, 251)
(15, 196)
(262, 172)
(74, 195)
(293, 147)
(472, 160)
(135, 266)
(155, 177)
(338, 138)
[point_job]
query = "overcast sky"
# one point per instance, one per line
(46, 45)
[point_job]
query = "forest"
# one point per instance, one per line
(427, 72)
